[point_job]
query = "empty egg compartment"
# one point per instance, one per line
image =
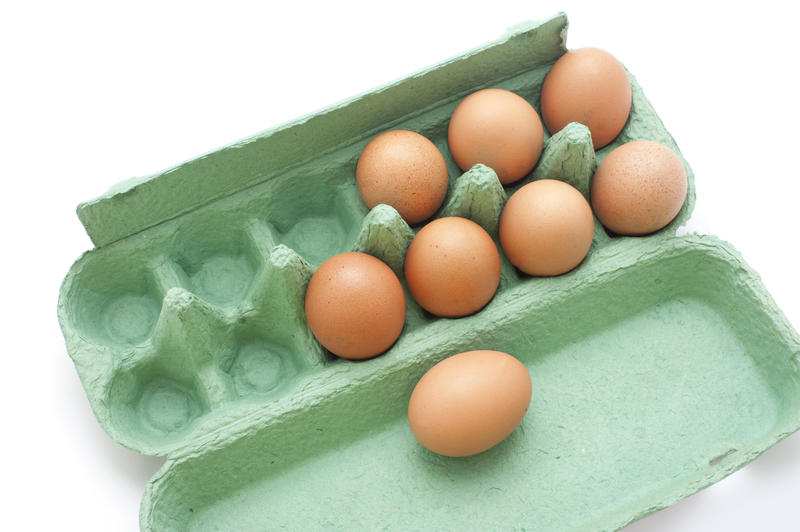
(220, 321)
(272, 337)
(319, 214)
(155, 403)
(216, 259)
(261, 366)
(201, 363)
(158, 391)
(114, 302)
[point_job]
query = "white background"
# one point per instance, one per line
(93, 93)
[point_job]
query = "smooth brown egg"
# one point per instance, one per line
(546, 228)
(639, 188)
(469, 402)
(355, 305)
(497, 128)
(405, 170)
(452, 267)
(590, 86)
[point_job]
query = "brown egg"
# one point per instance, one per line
(469, 402)
(452, 267)
(546, 228)
(590, 86)
(405, 170)
(355, 305)
(639, 188)
(499, 129)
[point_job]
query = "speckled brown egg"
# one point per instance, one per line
(452, 267)
(639, 188)
(469, 402)
(355, 305)
(590, 86)
(497, 128)
(405, 170)
(546, 228)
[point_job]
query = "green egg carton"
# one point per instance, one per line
(659, 365)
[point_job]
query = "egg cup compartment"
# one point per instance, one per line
(116, 310)
(321, 224)
(261, 366)
(655, 373)
(217, 260)
(187, 327)
(156, 401)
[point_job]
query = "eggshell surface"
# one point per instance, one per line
(452, 267)
(355, 305)
(546, 228)
(497, 128)
(639, 188)
(469, 402)
(405, 170)
(587, 85)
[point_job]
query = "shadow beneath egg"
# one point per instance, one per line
(468, 468)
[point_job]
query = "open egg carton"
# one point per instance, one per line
(659, 365)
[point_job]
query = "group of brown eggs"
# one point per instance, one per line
(354, 302)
